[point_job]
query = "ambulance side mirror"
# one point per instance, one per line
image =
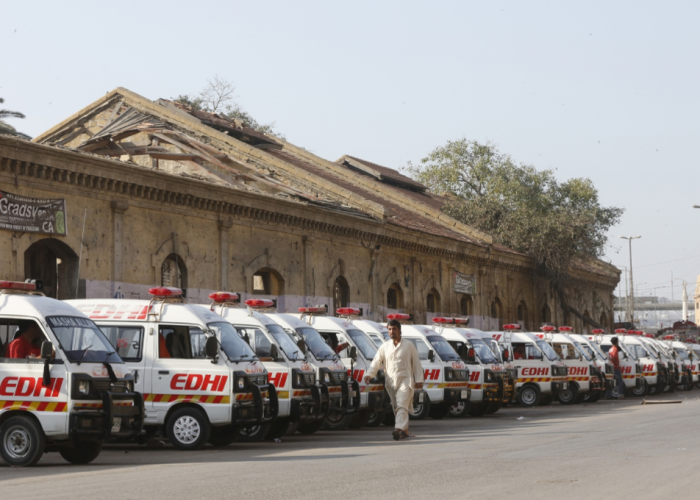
(463, 351)
(506, 355)
(352, 351)
(301, 345)
(431, 355)
(274, 352)
(471, 355)
(46, 349)
(211, 348)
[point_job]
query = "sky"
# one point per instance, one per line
(607, 90)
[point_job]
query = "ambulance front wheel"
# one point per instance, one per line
(529, 395)
(188, 429)
(641, 390)
(22, 441)
(253, 434)
(421, 410)
(568, 396)
(83, 454)
(377, 417)
(336, 421)
(459, 409)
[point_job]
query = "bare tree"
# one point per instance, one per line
(218, 94)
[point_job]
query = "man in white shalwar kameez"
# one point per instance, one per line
(403, 374)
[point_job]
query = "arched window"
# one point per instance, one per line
(341, 293)
(56, 265)
(466, 305)
(267, 281)
(433, 301)
(496, 308)
(546, 314)
(522, 312)
(174, 272)
(394, 297)
(604, 320)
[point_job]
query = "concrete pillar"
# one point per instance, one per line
(118, 210)
(223, 226)
(307, 263)
(375, 286)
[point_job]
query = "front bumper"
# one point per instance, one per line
(257, 406)
(457, 394)
(311, 406)
(119, 417)
(559, 385)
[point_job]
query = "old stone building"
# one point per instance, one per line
(153, 192)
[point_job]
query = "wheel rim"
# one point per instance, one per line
(17, 442)
(566, 395)
(615, 393)
(250, 431)
(418, 409)
(457, 408)
(335, 417)
(528, 396)
(187, 429)
(638, 391)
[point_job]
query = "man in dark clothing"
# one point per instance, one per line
(614, 357)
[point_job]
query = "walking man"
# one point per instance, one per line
(403, 374)
(614, 357)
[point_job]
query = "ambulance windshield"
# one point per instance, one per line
(443, 348)
(482, 351)
(682, 353)
(583, 351)
(234, 346)
(547, 350)
(364, 343)
(291, 350)
(316, 344)
(82, 340)
(599, 354)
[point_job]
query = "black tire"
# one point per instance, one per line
(568, 396)
(222, 436)
(310, 428)
(477, 410)
(360, 419)
(529, 396)
(279, 428)
(83, 454)
(492, 408)
(336, 421)
(252, 434)
(376, 419)
(421, 410)
(22, 441)
(440, 411)
(640, 392)
(615, 393)
(459, 410)
(188, 429)
(654, 389)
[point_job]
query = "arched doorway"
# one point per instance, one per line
(174, 272)
(546, 314)
(496, 310)
(522, 314)
(433, 303)
(341, 293)
(267, 281)
(466, 305)
(394, 297)
(54, 263)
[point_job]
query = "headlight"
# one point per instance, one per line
(489, 377)
(449, 374)
(327, 378)
(84, 387)
(241, 383)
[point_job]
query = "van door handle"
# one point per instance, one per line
(163, 372)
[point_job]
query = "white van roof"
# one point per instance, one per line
(35, 306)
(137, 310)
(288, 321)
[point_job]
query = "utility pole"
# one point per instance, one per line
(631, 298)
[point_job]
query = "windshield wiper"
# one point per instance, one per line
(80, 360)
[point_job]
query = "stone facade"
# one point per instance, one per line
(328, 235)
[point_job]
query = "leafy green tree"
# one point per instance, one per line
(523, 208)
(6, 128)
(219, 97)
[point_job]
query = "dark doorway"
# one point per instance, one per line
(56, 264)
(341, 293)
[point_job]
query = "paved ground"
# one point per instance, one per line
(607, 449)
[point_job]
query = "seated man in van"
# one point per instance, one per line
(27, 341)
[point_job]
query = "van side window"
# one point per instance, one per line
(13, 328)
(181, 342)
(126, 340)
(256, 339)
(421, 347)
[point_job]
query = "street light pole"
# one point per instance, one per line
(631, 305)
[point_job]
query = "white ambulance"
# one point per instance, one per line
(684, 362)
(329, 370)
(694, 352)
(356, 351)
(669, 368)
(504, 357)
(486, 373)
(302, 402)
(603, 378)
(62, 386)
(664, 365)
(446, 376)
(201, 382)
(374, 330)
(648, 361)
(629, 366)
(541, 373)
(577, 361)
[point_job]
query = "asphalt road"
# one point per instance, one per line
(610, 449)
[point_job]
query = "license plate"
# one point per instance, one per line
(566, 386)
(420, 397)
(116, 424)
(464, 394)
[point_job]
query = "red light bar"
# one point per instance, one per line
(164, 291)
(511, 327)
(442, 321)
(17, 285)
(461, 321)
(348, 311)
(649, 335)
(668, 337)
(598, 331)
(313, 310)
(547, 328)
(620, 330)
(223, 296)
(565, 329)
(254, 303)
(398, 316)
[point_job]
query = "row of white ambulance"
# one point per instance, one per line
(132, 370)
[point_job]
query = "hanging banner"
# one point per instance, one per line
(464, 283)
(32, 215)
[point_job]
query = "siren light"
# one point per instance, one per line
(313, 310)
(565, 329)
(259, 303)
(547, 328)
(461, 321)
(621, 330)
(668, 337)
(348, 311)
(398, 316)
(165, 291)
(220, 297)
(511, 327)
(649, 335)
(598, 331)
(17, 285)
(443, 321)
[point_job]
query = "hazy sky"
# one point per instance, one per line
(607, 90)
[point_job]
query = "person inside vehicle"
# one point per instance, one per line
(519, 351)
(27, 342)
(163, 351)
